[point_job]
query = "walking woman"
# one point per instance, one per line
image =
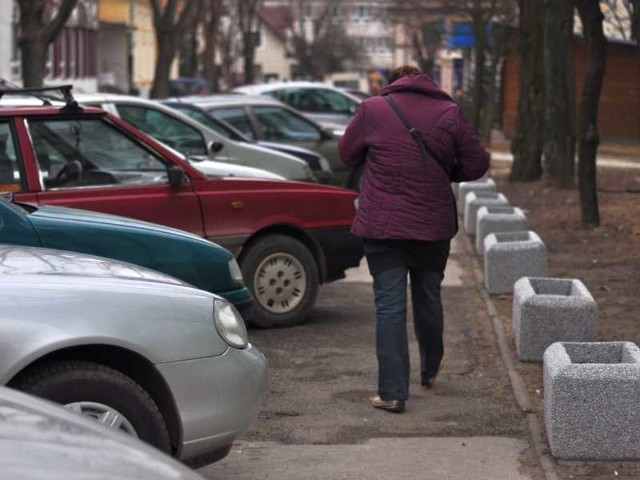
(412, 141)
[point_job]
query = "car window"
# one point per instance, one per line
(236, 117)
(90, 152)
(317, 100)
(165, 128)
(281, 124)
(10, 171)
(208, 121)
(332, 102)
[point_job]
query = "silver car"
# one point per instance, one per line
(197, 142)
(320, 101)
(135, 349)
(263, 118)
(41, 440)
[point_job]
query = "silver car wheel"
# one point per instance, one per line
(108, 416)
(280, 283)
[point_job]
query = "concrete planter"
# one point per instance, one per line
(549, 310)
(591, 395)
(484, 184)
(510, 256)
(475, 200)
(496, 220)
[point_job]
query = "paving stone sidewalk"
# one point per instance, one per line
(317, 423)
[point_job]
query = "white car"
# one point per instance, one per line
(197, 142)
(135, 349)
(319, 101)
(42, 441)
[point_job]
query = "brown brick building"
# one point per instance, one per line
(619, 114)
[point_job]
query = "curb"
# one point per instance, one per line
(517, 384)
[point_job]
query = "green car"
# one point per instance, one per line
(180, 254)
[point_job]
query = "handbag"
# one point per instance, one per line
(424, 149)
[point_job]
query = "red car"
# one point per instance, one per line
(289, 237)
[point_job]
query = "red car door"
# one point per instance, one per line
(90, 163)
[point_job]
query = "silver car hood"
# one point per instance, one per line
(15, 260)
(42, 441)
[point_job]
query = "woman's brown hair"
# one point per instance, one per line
(402, 71)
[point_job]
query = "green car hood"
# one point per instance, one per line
(174, 252)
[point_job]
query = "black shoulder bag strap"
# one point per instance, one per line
(423, 148)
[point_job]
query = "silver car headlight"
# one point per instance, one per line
(229, 324)
(234, 270)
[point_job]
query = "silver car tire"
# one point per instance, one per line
(283, 278)
(97, 386)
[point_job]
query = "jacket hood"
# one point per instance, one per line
(421, 83)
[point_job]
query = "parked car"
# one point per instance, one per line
(320, 101)
(288, 237)
(263, 118)
(41, 440)
(318, 164)
(209, 167)
(194, 140)
(180, 254)
(188, 86)
(133, 348)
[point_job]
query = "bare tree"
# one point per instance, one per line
(560, 93)
(38, 29)
(211, 14)
(170, 19)
(588, 140)
(527, 144)
(228, 46)
(318, 41)
(423, 22)
(248, 23)
(623, 17)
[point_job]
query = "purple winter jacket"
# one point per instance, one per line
(401, 197)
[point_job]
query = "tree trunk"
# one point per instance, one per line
(36, 33)
(488, 112)
(591, 17)
(477, 89)
(527, 144)
(33, 49)
(166, 44)
(211, 29)
(635, 21)
(189, 55)
(248, 54)
(560, 96)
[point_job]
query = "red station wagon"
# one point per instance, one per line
(289, 237)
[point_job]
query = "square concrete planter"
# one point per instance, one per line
(496, 220)
(484, 184)
(549, 310)
(510, 256)
(592, 400)
(475, 200)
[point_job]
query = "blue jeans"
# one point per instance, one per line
(392, 348)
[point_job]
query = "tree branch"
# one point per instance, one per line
(58, 21)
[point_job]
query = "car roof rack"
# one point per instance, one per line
(44, 94)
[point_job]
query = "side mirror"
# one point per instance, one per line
(176, 176)
(327, 133)
(215, 147)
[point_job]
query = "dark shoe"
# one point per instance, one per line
(395, 406)
(428, 384)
